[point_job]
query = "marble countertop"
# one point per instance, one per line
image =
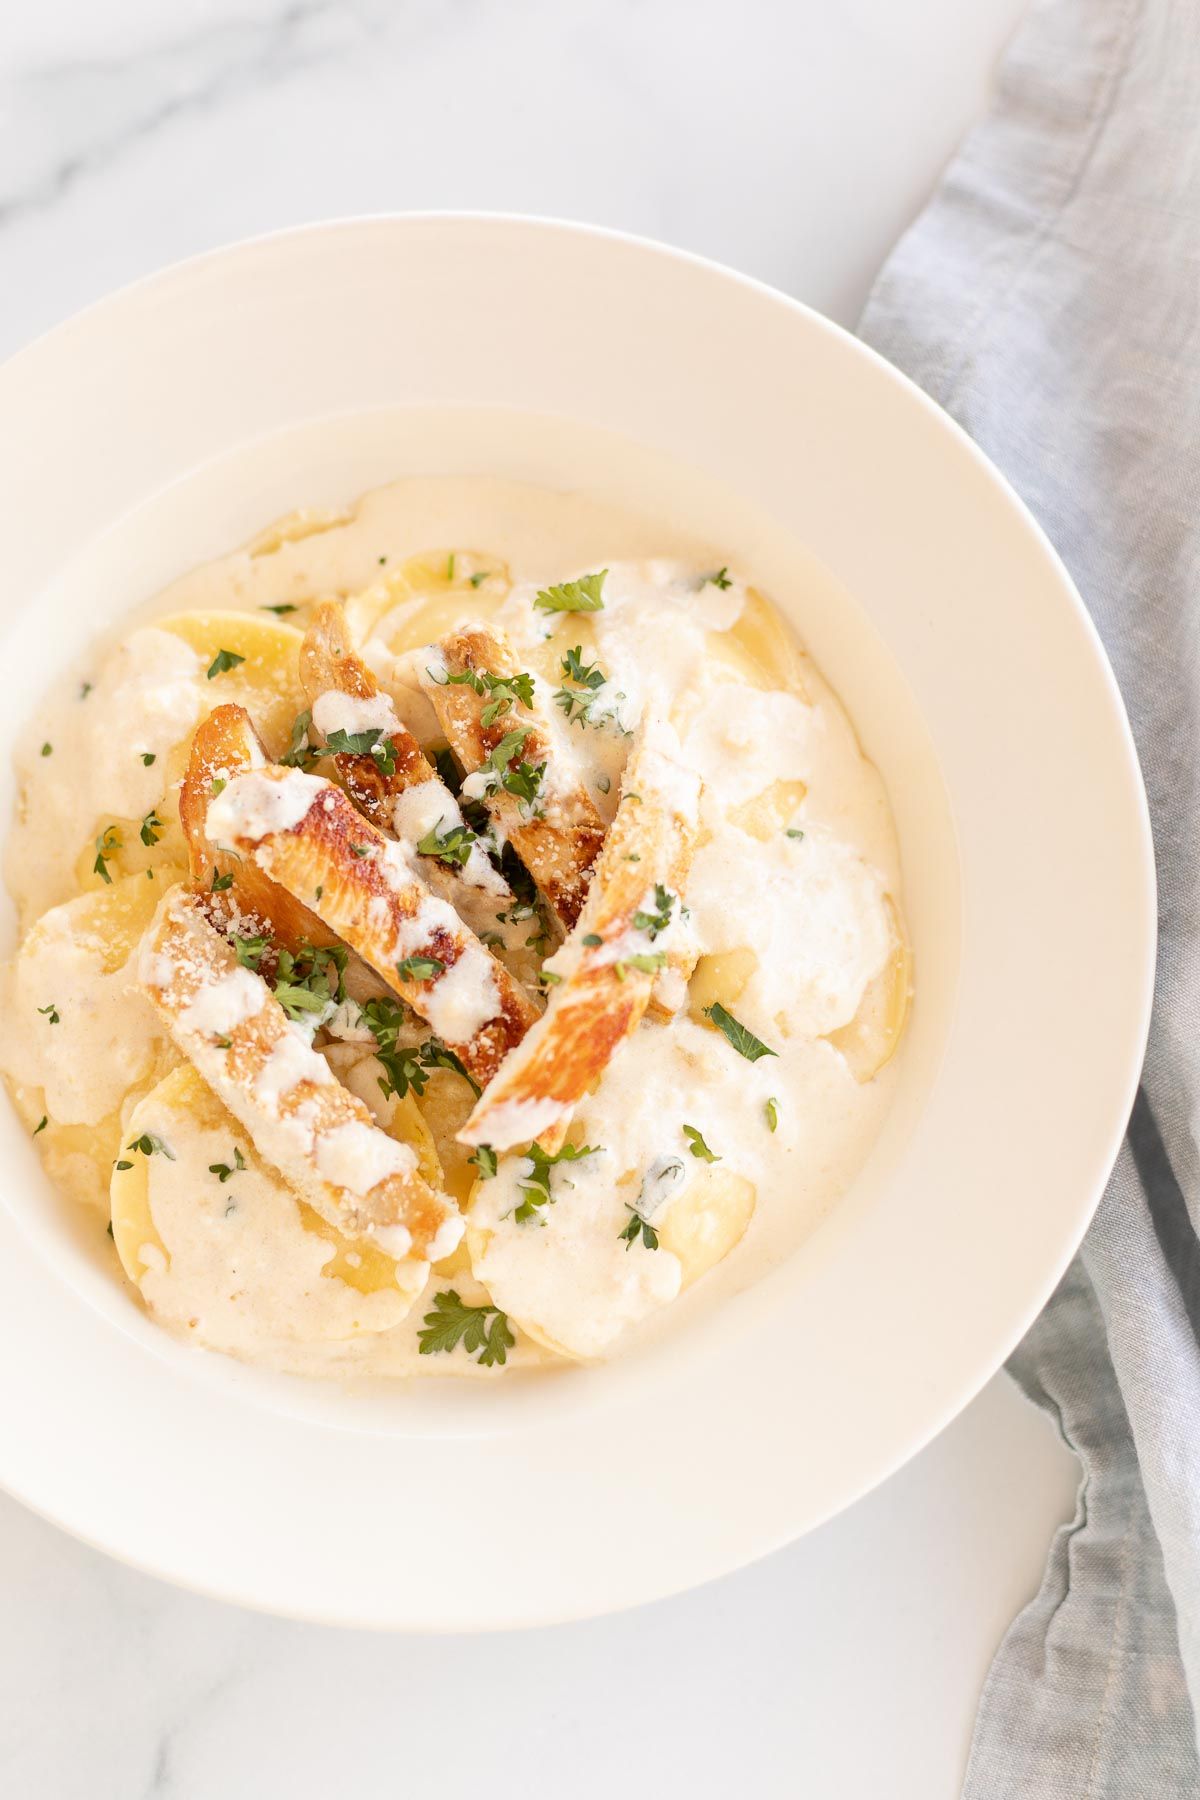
(794, 141)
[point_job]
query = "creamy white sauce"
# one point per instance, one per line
(814, 910)
(335, 711)
(256, 805)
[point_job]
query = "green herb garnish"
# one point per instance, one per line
(660, 918)
(310, 979)
(301, 753)
(223, 1171)
(652, 961)
(536, 1186)
(419, 968)
(482, 1328)
(41, 1125)
(50, 1012)
(107, 844)
(152, 829)
(583, 595)
(280, 611)
(148, 757)
(46, 749)
(743, 1041)
(698, 1146)
(248, 950)
(224, 659)
(221, 883)
(453, 846)
(484, 1159)
(638, 1227)
(151, 1145)
(375, 744)
(720, 579)
(772, 1111)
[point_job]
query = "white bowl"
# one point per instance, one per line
(164, 426)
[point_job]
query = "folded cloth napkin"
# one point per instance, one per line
(1049, 298)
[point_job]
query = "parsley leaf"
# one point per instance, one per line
(419, 968)
(743, 1041)
(48, 748)
(536, 1186)
(301, 752)
(152, 829)
(224, 659)
(479, 577)
(50, 1012)
(41, 1125)
(637, 1226)
(482, 1328)
(107, 844)
(583, 595)
(376, 744)
(453, 846)
(223, 1171)
(507, 768)
(148, 757)
(698, 1146)
(660, 918)
(720, 579)
(248, 950)
(577, 705)
(309, 980)
(436, 1055)
(648, 964)
(279, 611)
(772, 1111)
(151, 1145)
(484, 1159)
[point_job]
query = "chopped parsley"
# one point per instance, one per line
(419, 968)
(592, 939)
(536, 1186)
(223, 1171)
(506, 768)
(121, 1163)
(792, 832)
(450, 567)
(217, 786)
(479, 577)
(85, 688)
(453, 846)
(148, 757)
(248, 950)
(107, 845)
(720, 579)
(151, 1145)
(637, 1227)
(224, 659)
(360, 850)
(375, 744)
(583, 595)
(281, 610)
(221, 883)
(772, 1111)
(697, 1145)
(648, 964)
(48, 748)
(660, 918)
(477, 1328)
(743, 1041)
(41, 1125)
(503, 691)
(301, 753)
(310, 979)
(578, 702)
(50, 1012)
(484, 1159)
(152, 829)
(406, 1067)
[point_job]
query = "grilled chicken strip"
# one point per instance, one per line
(389, 777)
(607, 967)
(321, 1138)
(545, 814)
(307, 835)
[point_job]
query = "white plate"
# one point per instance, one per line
(165, 425)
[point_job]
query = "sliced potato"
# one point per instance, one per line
(870, 1039)
(426, 596)
(267, 679)
(293, 527)
(770, 812)
(707, 1220)
(68, 962)
(760, 649)
(196, 1282)
(720, 977)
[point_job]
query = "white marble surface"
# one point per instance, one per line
(794, 140)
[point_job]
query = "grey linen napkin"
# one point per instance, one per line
(1049, 298)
